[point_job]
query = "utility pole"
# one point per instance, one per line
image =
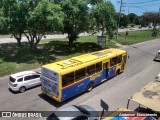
(154, 31)
(120, 10)
(127, 28)
(128, 10)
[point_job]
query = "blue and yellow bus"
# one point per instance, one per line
(64, 79)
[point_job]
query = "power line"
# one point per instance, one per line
(143, 2)
(150, 5)
(145, 10)
(142, 5)
(145, 5)
(138, 7)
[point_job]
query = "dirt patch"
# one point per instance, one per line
(149, 94)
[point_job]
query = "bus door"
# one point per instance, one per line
(105, 71)
(112, 67)
(119, 67)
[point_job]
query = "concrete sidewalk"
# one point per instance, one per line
(59, 36)
(24, 39)
(119, 45)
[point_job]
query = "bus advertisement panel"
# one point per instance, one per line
(50, 81)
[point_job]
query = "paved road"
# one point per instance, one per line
(139, 71)
(9, 40)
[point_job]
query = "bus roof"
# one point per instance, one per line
(66, 66)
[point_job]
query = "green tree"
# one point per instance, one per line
(124, 21)
(132, 17)
(13, 12)
(3, 23)
(104, 13)
(42, 16)
(17, 16)
(75, 18)
(136, 20)
(151, 17)
(142, 21)
(94, 2)
(56, 1)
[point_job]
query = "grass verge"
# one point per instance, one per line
(14, 59)
(136, 37)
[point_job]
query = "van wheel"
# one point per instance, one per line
(22, 89)
(89, 87)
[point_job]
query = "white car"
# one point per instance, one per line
(131, 28)
(157, 58)
(158, 77)
(24, 80)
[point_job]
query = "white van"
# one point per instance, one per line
(24, 80)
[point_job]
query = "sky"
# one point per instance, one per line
(137, 6)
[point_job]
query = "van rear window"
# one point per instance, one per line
(12, 79)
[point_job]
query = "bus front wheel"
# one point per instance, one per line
(89, 87)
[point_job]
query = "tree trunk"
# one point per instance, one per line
(19, 42)
(33, 40)
(32, 44)
(70, 41)
(33, 47)
(102, 31)
(71, 38)
(18, 37)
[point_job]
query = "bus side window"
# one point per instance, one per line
(90, 70)
(79, 74)
(119, 59)
(113, 61)
(67, 79)
(105, 65)
(98, 67)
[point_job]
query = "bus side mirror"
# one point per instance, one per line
(128, 56)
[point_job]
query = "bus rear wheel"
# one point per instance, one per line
(118, 72)
(89, 87)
